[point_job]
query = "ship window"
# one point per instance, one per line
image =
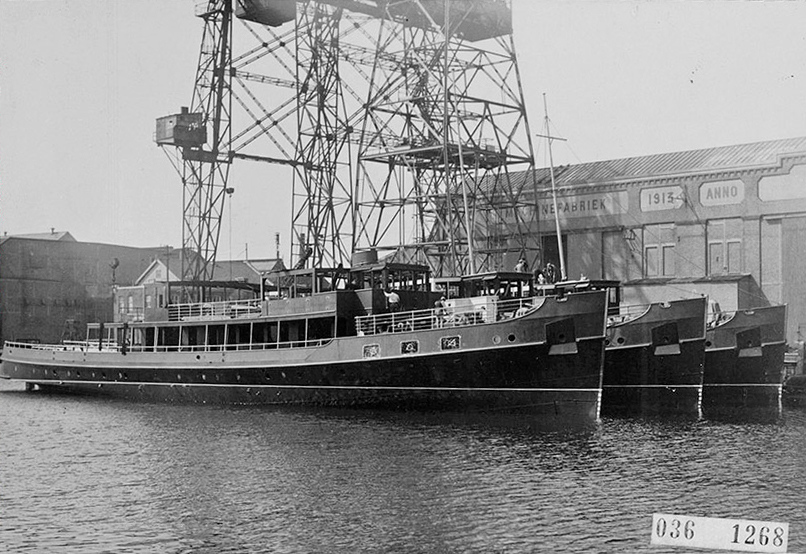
(238, 335)
(320, 328)
(260, 333)
(168, 337)
(215, 336)
(292, 331)
(138, 337)
(149, 336)
(193, 336)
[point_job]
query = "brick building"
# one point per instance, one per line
(52, 285)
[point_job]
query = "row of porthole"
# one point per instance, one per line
(511, 338)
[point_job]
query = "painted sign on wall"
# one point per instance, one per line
(783, 187)
(661, 198)
(585, 205)
(722, 193)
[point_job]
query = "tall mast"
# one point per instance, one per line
(549, 138)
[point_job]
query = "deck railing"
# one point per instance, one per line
(449, 316)
(107, 346)
(214, 310)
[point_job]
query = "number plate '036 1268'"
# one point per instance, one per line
(742, 535)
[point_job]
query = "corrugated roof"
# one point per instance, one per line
(721, 158)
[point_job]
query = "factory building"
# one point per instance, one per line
(728, 222)
(52, 285)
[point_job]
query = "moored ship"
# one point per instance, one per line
(654, 353)
(744, 358)
(328, 337)
(655, 357)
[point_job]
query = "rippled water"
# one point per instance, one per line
(87, 475)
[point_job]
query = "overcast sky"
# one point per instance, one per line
(82, 82)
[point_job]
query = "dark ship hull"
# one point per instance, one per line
(744, 359)
(654, 361)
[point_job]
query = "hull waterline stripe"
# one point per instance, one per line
(334, 387)
(651, 386)
(742, 385)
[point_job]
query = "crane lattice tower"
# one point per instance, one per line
(401, 130)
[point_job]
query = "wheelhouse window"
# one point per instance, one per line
(659, 255)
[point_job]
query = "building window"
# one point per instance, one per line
(659, 250)
(724, 246)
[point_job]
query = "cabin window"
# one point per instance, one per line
(215, 336)
(724, 246)
(260, 333)
(320, 328)
(292, 331)
(149, 336)
(148, 301)
(138, 337)
(193, 336)
(238, 336)
(168, 337)
(659, 255)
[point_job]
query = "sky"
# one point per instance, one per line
(82, 82)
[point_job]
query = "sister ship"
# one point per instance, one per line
(328, 337)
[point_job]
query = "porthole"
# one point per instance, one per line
(620, 340)
(511, 338)
(496, 339)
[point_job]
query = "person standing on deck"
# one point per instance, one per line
(392, 300)
(522, 266)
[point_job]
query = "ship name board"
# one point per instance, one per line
(722, 193)
(661, 198)
(586, 205)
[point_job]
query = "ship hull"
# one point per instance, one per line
(744, 361)
(638, 381)
(654, 363)
(521, 366)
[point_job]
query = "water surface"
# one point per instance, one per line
(81, 475)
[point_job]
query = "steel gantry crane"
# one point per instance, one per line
(402, 121)
(445, 131)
